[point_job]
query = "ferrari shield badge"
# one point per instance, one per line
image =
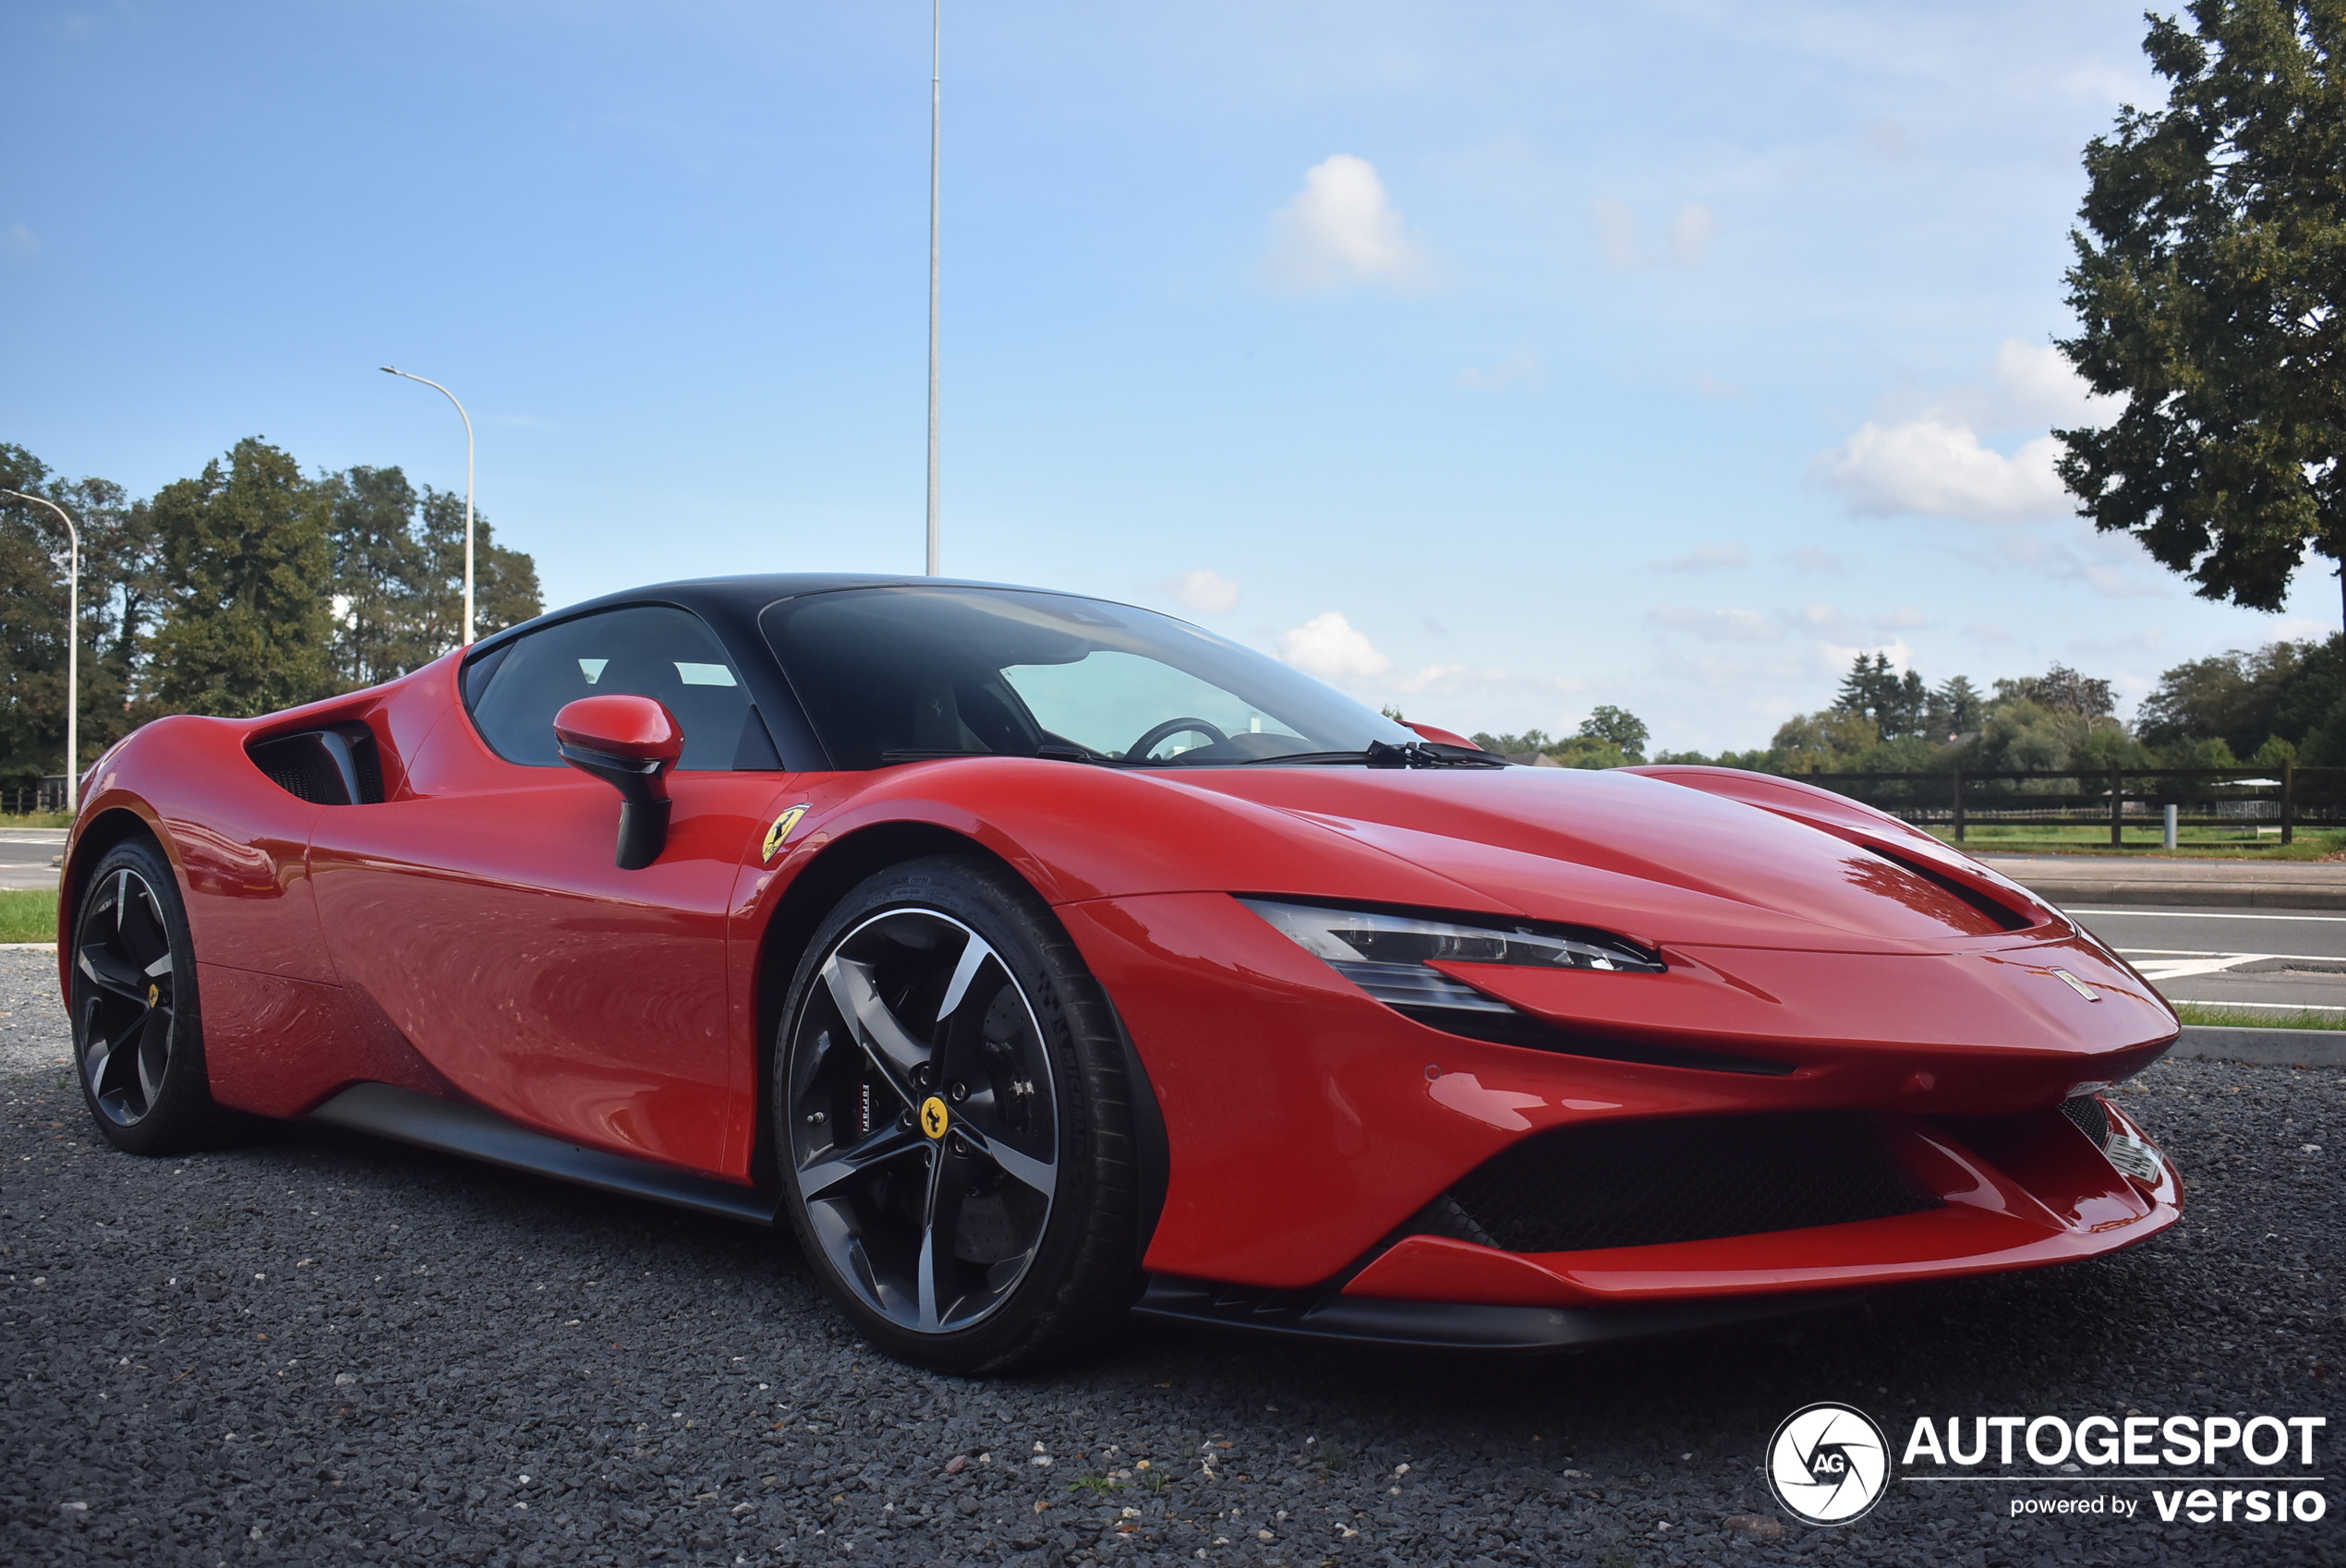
(933, 1118)
(781, 830)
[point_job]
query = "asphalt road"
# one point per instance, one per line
(2268, 959)
(26, 854)
(317, 1348)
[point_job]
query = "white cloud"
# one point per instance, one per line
(1516, 370)
(1888, 138)
(1839, 658)
(1690, 233)
(1341, 228)
(1709, 385)
(20, 240)
(1617, 232)
(2038, 384)
(1207, 592)
(1808, 557)
(1905, 618)
(1328, 646)
(1621, 237)
(1935, 463)
(1719, 625)
(1941, 470)
(2112, 565)
(1705, 557)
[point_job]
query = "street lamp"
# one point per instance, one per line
(935, 101)
(393, 371)
(73, 650)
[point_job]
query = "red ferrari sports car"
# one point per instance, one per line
(1041, 959)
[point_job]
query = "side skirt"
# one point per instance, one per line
(479, 1134)
(1448, 1326)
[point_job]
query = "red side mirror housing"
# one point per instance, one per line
(1440, 736)
(630, 743)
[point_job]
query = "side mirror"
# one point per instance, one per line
(630, 743)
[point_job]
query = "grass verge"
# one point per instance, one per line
(27, 914)
(2142, 844)
(2256, 1017)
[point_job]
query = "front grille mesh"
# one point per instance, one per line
(2091, 1117)
(1639, 1184)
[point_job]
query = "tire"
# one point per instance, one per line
(953, 1125)
(137, 1029)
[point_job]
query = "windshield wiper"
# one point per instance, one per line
(1382, 754)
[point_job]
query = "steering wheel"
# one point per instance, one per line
(1170, 728)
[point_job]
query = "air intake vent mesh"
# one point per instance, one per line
(2092, 1120)
(1639, 1184)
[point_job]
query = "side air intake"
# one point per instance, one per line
(335, 766)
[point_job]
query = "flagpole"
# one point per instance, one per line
(936, 103)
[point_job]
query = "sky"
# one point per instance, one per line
(1490, 360)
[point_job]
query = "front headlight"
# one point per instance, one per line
(1387, 955)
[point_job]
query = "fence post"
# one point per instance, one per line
(2117, 809)
(2288, 802)
(1959, 805)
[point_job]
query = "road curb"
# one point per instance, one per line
(2188, 895)
(2269, 1047)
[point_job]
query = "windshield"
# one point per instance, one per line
(902, 674)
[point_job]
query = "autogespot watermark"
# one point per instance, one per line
(1830, 1464)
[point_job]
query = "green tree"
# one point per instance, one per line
(246, 560)
(1897, 704)
(2061, 689)
(505, 581)
(1618, 728)
(1955, 707)
(379, 575)
(2212, 296)
(118, 587)
(399, 576)
(1822, 742)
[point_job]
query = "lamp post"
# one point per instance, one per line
(936, 102)
(72, 649)
(393, 371)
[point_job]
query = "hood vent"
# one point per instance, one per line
(2004, 914)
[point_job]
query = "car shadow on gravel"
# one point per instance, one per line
(322, 1348)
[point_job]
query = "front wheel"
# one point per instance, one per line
(953, 1122)
(138, 1034)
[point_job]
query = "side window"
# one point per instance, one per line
(649, 651)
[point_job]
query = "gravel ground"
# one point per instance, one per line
(33, 1033)
(325, 1349)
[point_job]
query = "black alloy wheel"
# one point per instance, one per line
(137, 1037)
(955, 1135)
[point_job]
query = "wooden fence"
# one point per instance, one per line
(2286, 798)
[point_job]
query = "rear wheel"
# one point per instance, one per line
(136, 1030)
(953, 1125)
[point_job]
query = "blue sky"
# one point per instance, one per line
(1495, 359)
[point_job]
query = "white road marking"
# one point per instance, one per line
(2277, 1006)
(2194, 914)
(2204, 953)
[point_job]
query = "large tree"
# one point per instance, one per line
(2210, 293)
(119, 583)
(399, 576)
(246, 560)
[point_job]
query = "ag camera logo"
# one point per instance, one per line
(1828, 1463)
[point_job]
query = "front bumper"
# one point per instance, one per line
(1308, 1125)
